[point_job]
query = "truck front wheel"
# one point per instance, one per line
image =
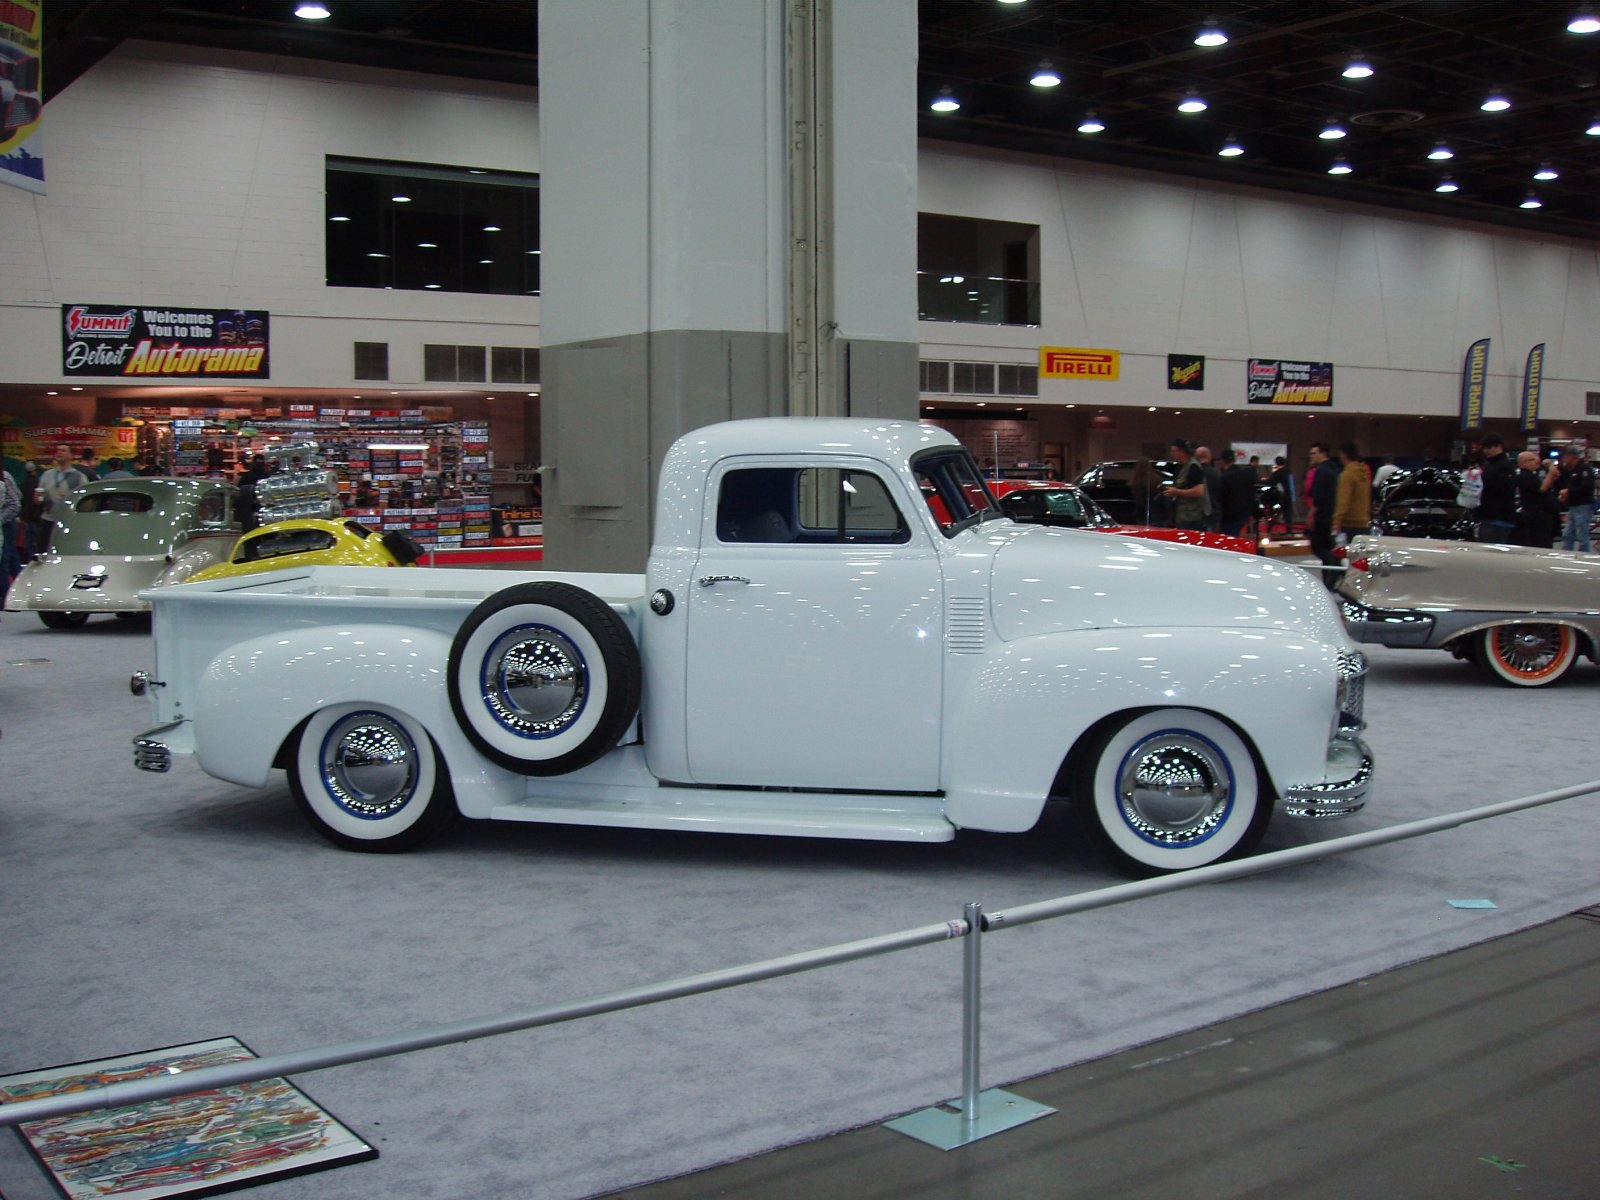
(1171, 789)
(370, 778)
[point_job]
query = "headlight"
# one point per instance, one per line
(1352, 668)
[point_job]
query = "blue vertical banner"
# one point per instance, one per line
(1474, 377)
(1532, 381)
(21, 94)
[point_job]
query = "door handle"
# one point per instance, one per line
(708, 580)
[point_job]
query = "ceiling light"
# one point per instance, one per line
(1584, 22)
(311, 11)
(339, 217)
(1340, 167)
(1191, 103)
(400, 198)
(1210, 34)
(427, 245)
(1332, 131)
(430, 286)
(1546, 173)
(1045, 77)
(1357, 68)
(1531, 200)
(376, 254)
(1013, 1)
(1448, 184)
(1495, 102)
(1093, 124)
(484, 262)
(945, 101)
(1230, 148)
(1594, 127)
(491, 229)
(1441, 152)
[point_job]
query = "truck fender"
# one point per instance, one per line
(1034, 703)
(252, 699)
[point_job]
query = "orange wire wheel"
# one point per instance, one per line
(1528, 655)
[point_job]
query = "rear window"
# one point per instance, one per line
(285, 541)
(120, 502)
(813, 505)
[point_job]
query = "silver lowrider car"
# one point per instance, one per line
(122, 535)
(1524, 615)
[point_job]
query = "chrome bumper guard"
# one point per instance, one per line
(152, 751)
(1403, 628)
(1343, 790)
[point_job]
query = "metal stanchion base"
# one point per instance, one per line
(946, 1126)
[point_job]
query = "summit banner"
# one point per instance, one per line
(1474, 378)
(21, 94)
(135, 342)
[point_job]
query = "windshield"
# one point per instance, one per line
(1055, 506)
(953, 488)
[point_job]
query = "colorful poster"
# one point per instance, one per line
(1532, 382)
(1078, 362)
(1186, 373)
(1474, 377)
(133, 342)
(21, 94)
(34, 442)
(1295, 384)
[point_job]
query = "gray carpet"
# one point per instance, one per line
(140, 910)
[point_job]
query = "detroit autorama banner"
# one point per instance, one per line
(173, 343)
(1299, 384)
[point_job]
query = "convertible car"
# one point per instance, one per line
(1065, 505)
(121, 536)
(1523, 615)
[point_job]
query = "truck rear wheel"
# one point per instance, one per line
(1171, 789)
(544, 678)
(370, 778)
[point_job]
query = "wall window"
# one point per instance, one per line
(1591, 404)
(416, 227)
(372, 360)
(513, 364)
(979, 272)
(453, 364)
(980, 379)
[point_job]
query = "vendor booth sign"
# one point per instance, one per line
(1295, 384)
(122, 340)
(21, 94)
(34, 442)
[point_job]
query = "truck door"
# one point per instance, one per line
(814, 647)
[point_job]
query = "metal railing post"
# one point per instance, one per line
(971, 1010)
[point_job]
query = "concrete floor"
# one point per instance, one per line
(1468, 1075)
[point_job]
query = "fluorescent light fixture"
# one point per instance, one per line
(1584, 22)
(427, 245)
(491, 229)
(1332, 131)
(1546, 172)
(1230, 148)
(339, 217)
(376, 254)
(1045, 77)
(1340, 167)
(1191, 103)
(311, 11)
(1357, 68)
(431, 286)
(1531, 200)
(1093, 124)
(1210, 34)
(945, 101)
(1441, 153)
(395, 445)
(1447, 184)
(400, 198)
(1495, 102)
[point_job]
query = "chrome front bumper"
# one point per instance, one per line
(153, 749)
(1346, 780)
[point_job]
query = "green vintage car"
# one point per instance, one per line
(123, 535)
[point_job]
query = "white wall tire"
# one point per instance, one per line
(544, 678)
(1528, 655)
(1170, 790)
(370, 778)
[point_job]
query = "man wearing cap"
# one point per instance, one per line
(1575, 488)
(1191, 504)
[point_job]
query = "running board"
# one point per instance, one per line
(788, 814)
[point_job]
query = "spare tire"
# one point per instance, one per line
(544, 678)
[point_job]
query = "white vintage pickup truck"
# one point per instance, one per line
(838, 635)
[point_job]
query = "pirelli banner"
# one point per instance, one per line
(1078, 362)
(163, 343)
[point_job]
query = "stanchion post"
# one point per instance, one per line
(971, 1011)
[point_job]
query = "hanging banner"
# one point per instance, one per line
(1532, 381)
(21, 94)
(211, 343)
(1186, 373)
(1293, 384)
(33, 443)
(1078, 362)
(1474, 377)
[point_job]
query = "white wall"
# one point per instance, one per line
(1149, 264)
(189, 178)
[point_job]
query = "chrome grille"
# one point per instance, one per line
(1352, 668)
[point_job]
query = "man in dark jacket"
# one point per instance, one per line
(1497, 510)
(1237, 492)
(1322, 499)
(1575, 489)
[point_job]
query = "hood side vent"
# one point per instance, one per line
(966, 624)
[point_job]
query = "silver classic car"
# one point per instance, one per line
(1524, 615)
(120, 536)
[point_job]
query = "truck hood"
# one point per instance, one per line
(1047, 580)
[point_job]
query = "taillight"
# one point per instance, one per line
(1360, 564)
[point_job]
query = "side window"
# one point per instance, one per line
(816, 505)
(212, 509)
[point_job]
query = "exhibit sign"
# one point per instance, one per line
(1186, 373)
(1474, 377)
(1293, 384)
(21, 94)
(133, 342)
(1532, 382)
(1079, 362)
(32, 443)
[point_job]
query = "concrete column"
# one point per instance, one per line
(670, 150)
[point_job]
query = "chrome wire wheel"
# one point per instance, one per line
(1528, 655)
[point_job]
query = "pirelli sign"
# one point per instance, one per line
(1078, 362)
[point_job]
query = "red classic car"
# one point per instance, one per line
(1034, 502)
